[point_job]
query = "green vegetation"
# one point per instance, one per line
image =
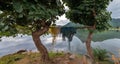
(31, 17)
(97, 36)
(33, 58)
(13, 58)
(106, 62)
(90, 13)
(35, 17)
(10, 59)
(115, 22)
(53, 55)
(100, 54)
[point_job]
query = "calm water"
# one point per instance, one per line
(11, 45)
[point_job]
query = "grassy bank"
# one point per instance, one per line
(34, 58)
(25, 58)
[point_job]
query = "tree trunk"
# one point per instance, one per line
(69, 46)
(40, 47)
(88, 45)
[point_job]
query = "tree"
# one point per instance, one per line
(32, 17)
(90, 13)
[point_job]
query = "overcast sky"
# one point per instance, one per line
(114, 7)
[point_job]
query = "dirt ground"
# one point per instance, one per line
(66, 59)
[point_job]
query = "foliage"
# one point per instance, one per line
(25, 16)
(29, 17)
(100, 54)
(89, 13)
(10, 59)
(53, 54)
(13, 58)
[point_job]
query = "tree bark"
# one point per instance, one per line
(88, 45)
(40, 47)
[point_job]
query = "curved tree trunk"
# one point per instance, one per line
(88, 45)
(40, 47)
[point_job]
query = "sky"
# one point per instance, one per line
(114, 7)
(18, 42)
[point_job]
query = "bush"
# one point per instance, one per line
(10, 59)
(100, 54)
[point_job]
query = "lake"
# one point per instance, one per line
(11, 45)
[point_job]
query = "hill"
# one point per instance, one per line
(56, 58)
(98, 36)
(115, 22)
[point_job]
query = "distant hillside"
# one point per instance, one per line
(115, 22)
(98, 36)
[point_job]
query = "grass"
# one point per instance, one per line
(33, 58)
(106, 62)
(53, 55)
(11, 59)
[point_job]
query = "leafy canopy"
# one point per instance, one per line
(25, 16)
(89, 12)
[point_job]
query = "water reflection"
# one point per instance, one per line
(11, 45)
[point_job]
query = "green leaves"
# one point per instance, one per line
(7, 30)
(18, 7)
(25, 13)
(89, 13)
(100, 54)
